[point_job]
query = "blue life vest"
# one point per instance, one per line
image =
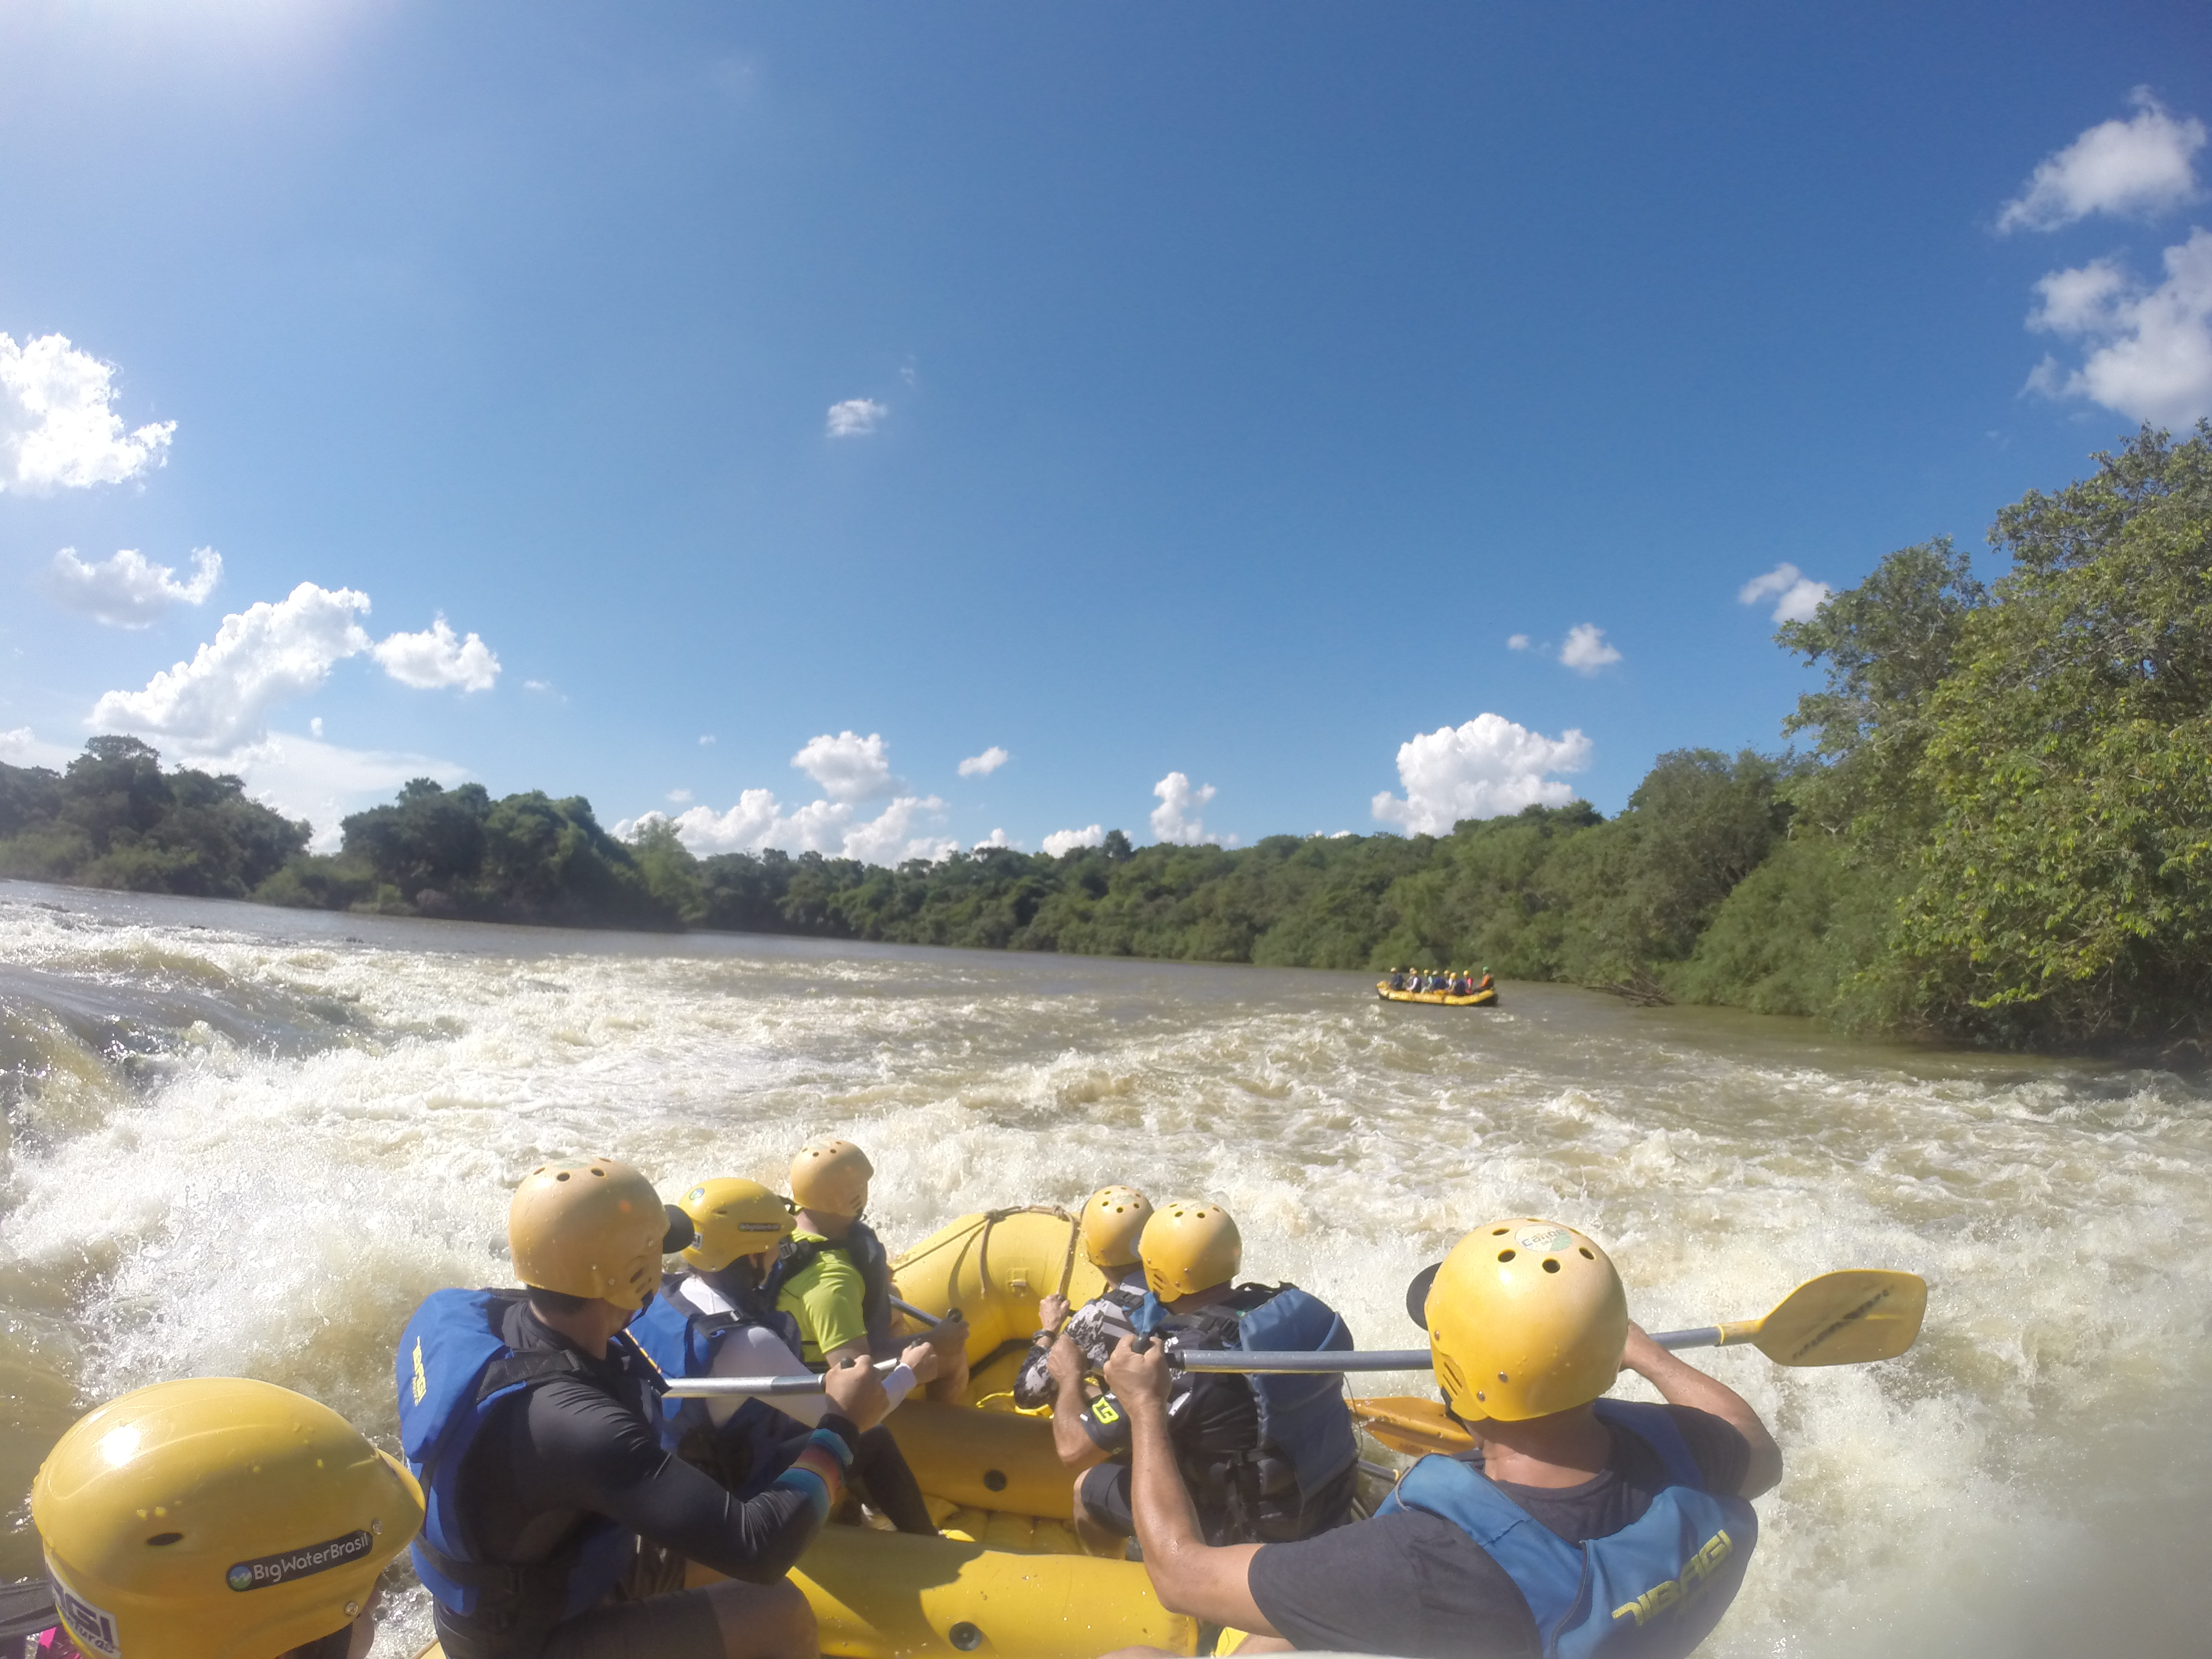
(453, 1367)
(680, 1342)
(866, 1252)
(1653, 1590)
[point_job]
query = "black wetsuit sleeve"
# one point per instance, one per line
(1104, 1422)
(1716, 1446)
(589, 1451)
(1408, 1583)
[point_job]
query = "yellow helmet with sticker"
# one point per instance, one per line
(1525, 1318)
(831, 1177)
(216, 1518)
(730, 1218)
(1113, 1219)
(1190, 1246)
(593, 1228)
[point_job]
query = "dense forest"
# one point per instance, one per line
(2002, 831)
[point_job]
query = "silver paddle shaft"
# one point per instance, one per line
(1200, 1359)
(1374, 1359)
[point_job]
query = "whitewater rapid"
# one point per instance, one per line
(248, 1141)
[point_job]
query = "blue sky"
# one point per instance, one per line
(1139, 390)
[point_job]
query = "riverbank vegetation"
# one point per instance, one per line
(2001, 832)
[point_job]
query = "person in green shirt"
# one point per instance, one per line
(833, 1277)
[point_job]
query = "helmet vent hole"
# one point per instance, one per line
(1551, 1264)
(1505, 1255)
(1586, 1255)
(563, 1176)
(160, 1538)
(1498, 1232)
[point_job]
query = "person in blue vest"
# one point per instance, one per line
(532, 1421)
(714, 1319)
(1264, 1458)
(1579, 1527)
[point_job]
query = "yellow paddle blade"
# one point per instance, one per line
(1845, 1318)
(1413, 1426)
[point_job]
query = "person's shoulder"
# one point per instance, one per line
(1717, 1447)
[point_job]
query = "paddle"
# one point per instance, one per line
(929, 1320)
(1846, 1318)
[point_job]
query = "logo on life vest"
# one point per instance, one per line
(94, 1628)
(421, 1383)
(271, 1569)
(1695, 1577)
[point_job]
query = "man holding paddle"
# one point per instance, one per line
(1574, 1525)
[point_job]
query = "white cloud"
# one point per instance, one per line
(848, 767)
(59, 427)
(2138, 166)
(850, 770)
(22, 747)
(128, 590)
(436, 659)
(996, 838)
(681, 797)
(1586, 651)
(1487, 767)
(707, 741)
(1796, 596)
(982, 765)
(315, 726)
(856, 418)
(262, 656)
(269, 654)
(1060, 842)
(1516, 642)
(303, 778)
(758, 822)
(1175, 819)
(2150, 355)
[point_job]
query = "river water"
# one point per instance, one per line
(243, 1140)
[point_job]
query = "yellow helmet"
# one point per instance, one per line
(733, 1218)
(1190, 1246)
(1112, 1217)
(831, 1177)
(1525, 1318)
(216, 1518)
(591, 1228)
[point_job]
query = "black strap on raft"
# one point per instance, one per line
(26, 1610)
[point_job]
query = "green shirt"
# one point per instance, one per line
(826, 1298)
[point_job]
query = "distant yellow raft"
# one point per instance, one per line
(1483, 998)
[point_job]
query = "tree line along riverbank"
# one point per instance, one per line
(2000, 831)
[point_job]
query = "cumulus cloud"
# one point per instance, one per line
(59, 427)
(265, 655)
(1796, 596)
(856, 418)
(996, 838)
(982, 765)
(1487, 767)
(848, 767)
(1516, 642)
(2149, 348)
(322, 782)
(436, 658)
(2136, 166)
(269, 654)
(1586, 651)
(128, 590)
(1175, 819)
(1060, 842)
(850, 770)
(22, 747)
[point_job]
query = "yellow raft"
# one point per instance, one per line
(1481, 999)
(995, 1266)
